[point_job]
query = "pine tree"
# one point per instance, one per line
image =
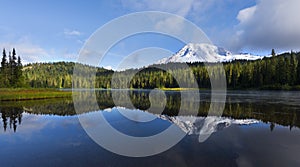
(281, 71)
(14, 58)
(273, 53)
(19, 62)
(288, 71)
(298, 71)
(4, 60)
(14, 68)
(11, 70)
(4, 70)
(20, 79)
(293, 68)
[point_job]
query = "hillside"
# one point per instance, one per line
(56, 75)
(276, 72)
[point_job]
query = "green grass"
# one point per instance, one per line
(32, 94)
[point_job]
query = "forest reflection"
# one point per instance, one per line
(236, 107)
(11, 116)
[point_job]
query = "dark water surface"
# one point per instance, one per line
(258, 128)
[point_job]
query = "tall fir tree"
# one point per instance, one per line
(11, 70)
(293, 68)
(20, 79)
(4, 60)
(4, 70)
(14, 68)
(273, 53)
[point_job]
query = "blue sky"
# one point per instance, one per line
(51, 30)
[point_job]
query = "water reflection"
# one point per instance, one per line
(205, 126)
(11, 116)
(280, 108)
(48, 132)
(270, 107)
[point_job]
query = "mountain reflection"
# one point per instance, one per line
(266, 107)
(205, 126)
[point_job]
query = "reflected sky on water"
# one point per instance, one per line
(49, 134)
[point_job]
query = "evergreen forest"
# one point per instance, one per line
(276, 72)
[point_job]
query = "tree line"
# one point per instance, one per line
(275, 72)
(11, 70)
(60, 75)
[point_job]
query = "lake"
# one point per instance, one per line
(257, 128)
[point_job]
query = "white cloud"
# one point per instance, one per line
(68, 32)
(27, 51)
(185, 8)
(269, 24)
(171, 25)
(174, 6)
(246, 14)
(179, 7)
(108, 67)
(32, 53)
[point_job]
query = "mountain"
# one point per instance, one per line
(193, 52)
(191, 125)
(205, 126)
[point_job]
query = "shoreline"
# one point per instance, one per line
(22, 94)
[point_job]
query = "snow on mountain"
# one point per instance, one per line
(205, 126)
(191, 125)
(205, 53)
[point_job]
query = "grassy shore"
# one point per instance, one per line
(32, 94)
(20, 94)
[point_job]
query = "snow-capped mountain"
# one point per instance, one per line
(205, 53)
(191, 125)
(205, 126)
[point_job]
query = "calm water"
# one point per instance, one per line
(256, 129)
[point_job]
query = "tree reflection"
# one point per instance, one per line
(272, 126)
(275, 113)
(13, 115)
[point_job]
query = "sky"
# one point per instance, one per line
(52, 30)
